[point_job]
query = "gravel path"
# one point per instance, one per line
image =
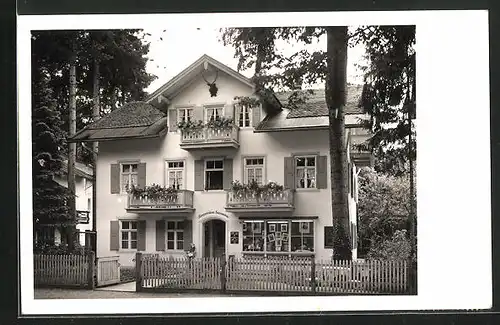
(102, 294)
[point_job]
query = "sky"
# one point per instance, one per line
(173, 50)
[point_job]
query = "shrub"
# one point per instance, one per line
(127, 273)
(51, 249)
(397, 248)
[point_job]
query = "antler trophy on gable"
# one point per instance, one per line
(212, 87)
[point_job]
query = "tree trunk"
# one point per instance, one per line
(95, 146)
(71, 231)
(335, 93)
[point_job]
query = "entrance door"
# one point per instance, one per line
(215, 238)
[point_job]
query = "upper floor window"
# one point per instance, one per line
(254, 170)
(175, 174)
(128, 176)
(305, 171)
(244, 116)
(213, 113)
(128, 235)
(184, 114)
(214, 174)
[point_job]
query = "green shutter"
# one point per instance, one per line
(188, 234)
(115, 178)
(198, 175)
(141, 175)
(227, 177)
(141, 235)
(322, 172)
(172, 119)
(114, 235)
(289, 177)
(255, 116)
(160, 235)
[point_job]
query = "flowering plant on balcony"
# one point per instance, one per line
(221, 122)
(255, 188)
(190, 125)
(154, 192)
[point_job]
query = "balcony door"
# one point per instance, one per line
(175, 174)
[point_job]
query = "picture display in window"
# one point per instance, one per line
(175, 174)
(129, 234)
(214, 174)
(254, 170)
(244, 116)
(253, 236)
(213, 113)
(278, 236)
(305, 171)
(184, 115)
(128, 176)
(175, 235)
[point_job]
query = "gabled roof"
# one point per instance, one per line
(190, 73)
(81, 169)
(132, 120)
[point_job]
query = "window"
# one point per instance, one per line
(214, 174)
(328, 237)
(244, 116)
(128, 176)
(175, 235)
(305, 170)
(253, 236)
(278, 236)
(254, 170)
(184, 114)
(129, 234)
(175, 174)
(213, 113)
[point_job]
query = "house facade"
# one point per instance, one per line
(160, 142)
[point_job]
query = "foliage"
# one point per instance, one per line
(247, 101)
(221, 122)
(41, 248)
(190, 125)
(154, 192)
(383, 207)
(396, 248)
(49, 198)
(254, 187)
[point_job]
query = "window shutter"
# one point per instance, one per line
(227, 177)
(229, 111)
(172, 119)
(198, 175)
(115, 178)
(198, 113)
(188, 234)
(289, 168)
(160, 235)
(322, 171)
(255, 116)
(141, 235)
(141, 175)
(328, 237)
(114, 235)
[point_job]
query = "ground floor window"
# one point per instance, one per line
(175, 235)
(129, 234)
(278, 236)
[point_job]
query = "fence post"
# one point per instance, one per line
(223, 274)
(91, 270)
(313, 274)
(138, 273)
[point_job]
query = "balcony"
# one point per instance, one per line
(207, 137)
(250, 202)
(180, 202)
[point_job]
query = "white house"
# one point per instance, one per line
(83, 201)
(141, 144)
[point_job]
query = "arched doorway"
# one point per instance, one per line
(214, 238)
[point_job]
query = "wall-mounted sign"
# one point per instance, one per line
(212, 212)
(234, 237)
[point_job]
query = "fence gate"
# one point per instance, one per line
(108, 270)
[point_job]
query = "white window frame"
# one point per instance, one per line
(169, 169)
(213, 108)
(242, 110)
(183, 114)
(176, 231)
(254, 167)
(129, 237)
(130, 173)
(302, 235)
(315, 180)
(212, 169)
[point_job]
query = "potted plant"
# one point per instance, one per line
(190, 125)
(222, 122)
(154, 192)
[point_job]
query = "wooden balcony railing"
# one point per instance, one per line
(262, 201)
(210, 137)
(183, 199)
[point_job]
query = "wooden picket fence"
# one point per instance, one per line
(271, 275)
(64, 270)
